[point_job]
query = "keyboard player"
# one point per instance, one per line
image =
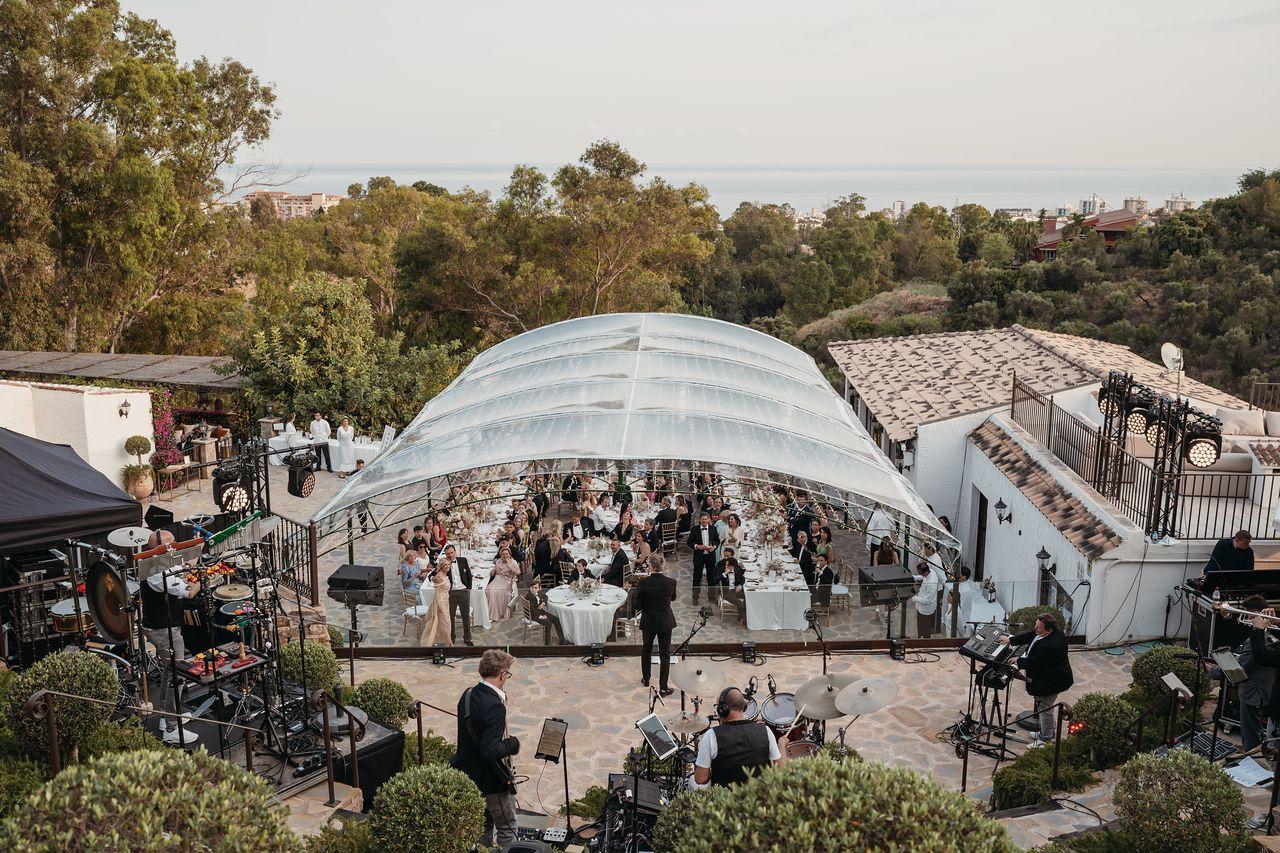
(1047, 668)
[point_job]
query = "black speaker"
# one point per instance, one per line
(158, 517)
(351, 576)
(357, 596)
(651, 799)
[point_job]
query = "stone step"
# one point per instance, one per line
(308, 812)
(1267, 842)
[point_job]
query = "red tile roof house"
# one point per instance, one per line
(1112, 225)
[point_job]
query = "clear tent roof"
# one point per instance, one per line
(645, 390)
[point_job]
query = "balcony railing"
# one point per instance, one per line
(1211, 505)
(1265, 395)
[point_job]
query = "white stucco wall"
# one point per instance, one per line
(85, 417)
(939, 468)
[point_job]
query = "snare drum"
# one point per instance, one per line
(802, 749)
(778, 712)
(65, 620)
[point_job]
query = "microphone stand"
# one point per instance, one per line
(704, 614)
(826, 650)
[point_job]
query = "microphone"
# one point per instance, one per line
(810, 617)
(704, 612)
(753, 684)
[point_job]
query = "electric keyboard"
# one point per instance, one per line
(985, 646)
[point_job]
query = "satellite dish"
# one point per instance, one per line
(1171, 355)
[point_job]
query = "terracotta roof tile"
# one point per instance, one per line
(1268, 454)
(1088, 533)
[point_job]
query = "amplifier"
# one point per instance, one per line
(884, 585)
(357, 596)
(356, 577)
(651, 799)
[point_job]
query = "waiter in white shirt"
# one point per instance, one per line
(964, 616)
(926, 600)
(878, 527)
(320, 432)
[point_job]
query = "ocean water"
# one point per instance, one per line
(809, 186)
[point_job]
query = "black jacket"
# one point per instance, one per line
(1048, 670)
(613, 574)
(1265, 655)
(588, 529)
(542, 557)
(664, 516)
(654, 595)
(804, 557)
(695, 535)
(464, 572)
(730, 572)
(482, 745)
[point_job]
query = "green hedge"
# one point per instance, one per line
(590, 805)
(1180, 802)
(435, 749)
(342, 836)
(322, 665)
(1024, 618)
(1025, 780)
(1105, 720)
(668, 833)
(19, 778)
(427, 808)
(118, 737)
(67, 671)
(385, 700)
(1150, 666)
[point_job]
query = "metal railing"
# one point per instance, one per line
(1212, 504)
(1265, 395)
(291, 555)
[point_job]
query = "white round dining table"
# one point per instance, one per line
(585, 620)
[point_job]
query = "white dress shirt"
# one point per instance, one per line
(878, 527)
(577, 531)
(455, 575)
(320, 430)
(927, 598)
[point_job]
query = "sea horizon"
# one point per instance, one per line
(809, 186)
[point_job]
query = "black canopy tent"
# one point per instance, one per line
(48, 493)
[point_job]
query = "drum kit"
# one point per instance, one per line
(798, 720)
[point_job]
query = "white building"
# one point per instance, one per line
(1177, 203)
(1019, 214)
(899, 210)
(1064, 212)
(93, 421)
(289, 205)
(1137, 205)
(1094, 204)
(1014, 479)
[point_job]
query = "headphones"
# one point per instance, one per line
(722, 710)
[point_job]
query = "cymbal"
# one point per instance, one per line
(232, 592)
(699, 677)
(816, 698)
(129, 537)
(685, 723)
(867, 695)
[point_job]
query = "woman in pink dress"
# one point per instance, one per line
(501, 581)
(437, 628)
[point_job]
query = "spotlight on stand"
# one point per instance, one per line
(748, 652)
(597, 654)
(229, 490)
(1204, 442)
(302, 478)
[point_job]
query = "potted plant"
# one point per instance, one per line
(139, 479)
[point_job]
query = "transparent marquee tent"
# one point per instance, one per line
(636, 393)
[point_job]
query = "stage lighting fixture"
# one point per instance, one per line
(597, 654)
(302, 478)
(748, 652)
(229, 491)
(1155, 430)
(1203, 448)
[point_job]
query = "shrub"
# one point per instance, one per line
(19, 778)
(435, 749)
(833, 750)
(1105, 720)
(427, 808)
(322, 665)
(1180, 802)
(136, 445)
(822, 806)
(589, 805)
(1025, 780)
(1154, 663)
(118, 737)
(1024, 618)
(336, 638)
(668, 833)
(67, 671)
(383, 699)
(342, 836)
(150, 801)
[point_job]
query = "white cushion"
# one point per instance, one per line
(1273, 423)
(419, 610)
(1243, 421)
(839, 589)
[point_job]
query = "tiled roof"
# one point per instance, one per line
(1091, 536)
(917, 379)
(195, 370)
(1268, 454)
(1112, 220)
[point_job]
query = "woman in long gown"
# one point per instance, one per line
(501, 581)
(346, 447)
(437, 627)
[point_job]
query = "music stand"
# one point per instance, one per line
(551, 747)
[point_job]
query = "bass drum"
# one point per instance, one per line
(802, 749)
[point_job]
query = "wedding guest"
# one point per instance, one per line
(403, 544)
(346, 447)
(642, 549)
(824, 546)
(502, 580)
(577, 528)
(823, 577)
(419, 538)
(625, 528)
(436, 537)
(542, 555)
(616, 571)
(438, 626)
(415, 570)
(580, 570)
(651, 534)
(539, 613)
(886, 554)
(459, 572)
(559, 555)
(732, 577)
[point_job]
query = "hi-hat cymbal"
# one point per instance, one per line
(685, 723)
(816, 698)
(867, 695)
(699, 677)
(129, 537)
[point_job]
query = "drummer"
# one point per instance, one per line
(163, 602)
(735, 749)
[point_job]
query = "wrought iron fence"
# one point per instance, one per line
(1265, 395)
(290, 552)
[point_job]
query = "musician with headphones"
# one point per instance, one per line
(735, 749)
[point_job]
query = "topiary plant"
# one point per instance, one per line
(1156, 662)
(823, 806)
(589, 805)
(1025, 780)
(150, 801)
(1180, 802)
(118, 737)
(427, 808)
(1103, 722)
(136, 445)
(668, 832)
(1024, 618)
(384, 700)
(67, 671)
(322, 665)
(351, 835)
(435, 750)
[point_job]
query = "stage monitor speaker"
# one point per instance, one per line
(879, 585)
(372, 597)
(158, 517)
(351, 576)
(651, 800)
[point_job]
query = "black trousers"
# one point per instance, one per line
(322, 455)
(702, 560)
(664, 652)
(460, 603)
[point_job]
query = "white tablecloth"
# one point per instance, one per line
(367, 452)
(479, 603)
(773, 608)
(585, 620)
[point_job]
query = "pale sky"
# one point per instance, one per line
(1157, 84)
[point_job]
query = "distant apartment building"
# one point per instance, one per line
(1019, 214)
(899, 210)
(813, 219)
(1094, 204)
(1177, 203)
(1137, 206)
(290, 205)
(1064, 212)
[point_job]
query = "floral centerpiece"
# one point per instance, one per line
(598, 544)
(585, 586)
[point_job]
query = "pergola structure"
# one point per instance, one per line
(636, 394)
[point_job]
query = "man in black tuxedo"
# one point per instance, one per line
(539, 613)
(654, 595)
(704, 540)
(731, 577)
(1048, 670)
(666, 515)
(459, 571)
(652, 535)
(484, 749)
(803, 552)
(578, 528)
(614, 574)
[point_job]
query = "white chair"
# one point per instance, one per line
(413, 609)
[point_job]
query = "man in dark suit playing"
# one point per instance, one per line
(704, 540)
(1048, 670)
(459, 571)
(484, 749)
(578, 528)
(654, 595)
(614, 574)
